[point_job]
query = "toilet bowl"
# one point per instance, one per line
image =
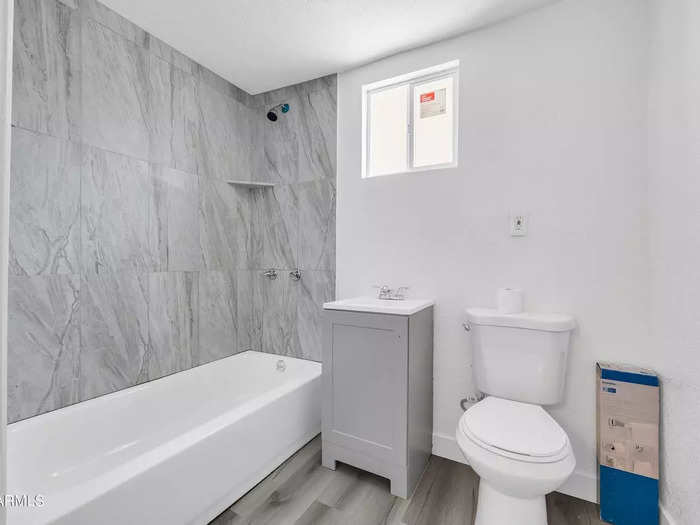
(518, 450)
(520, 453)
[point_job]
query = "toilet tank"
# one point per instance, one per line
(520, 356)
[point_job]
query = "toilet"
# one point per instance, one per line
(518, 450)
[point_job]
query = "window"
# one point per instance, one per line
(410, 122)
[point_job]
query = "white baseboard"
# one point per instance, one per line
(447, 447)
(580, 485)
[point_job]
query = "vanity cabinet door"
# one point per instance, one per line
(365, 370)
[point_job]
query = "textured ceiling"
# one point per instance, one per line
(261, 45)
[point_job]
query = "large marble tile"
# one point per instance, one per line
(301, 145)
(122, 214)
(317, 201)
(171, 55)
(114, 332)
(257, 219)
(275, 227)
(224, 223)
(327, 82)
(250, 309)
(226, 138)
(115, 92)
(280, 331)
(284, 94)
(46, 68)
(160, 110)
(44, 205)
(317, 118)
(258, 121)
(174, 116)
(211, 79)
(317, 287)
(73, 4)
(100, 13)
(249, 124)
(182, 203)
(281, 140)
(219, 318)
(276, 96)
(43, 344)
(173, 319)
(158, 219)
(258, 101)
(186, 122)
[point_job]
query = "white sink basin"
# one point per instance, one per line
(380, 306)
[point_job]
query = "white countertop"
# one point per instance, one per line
(380, 306)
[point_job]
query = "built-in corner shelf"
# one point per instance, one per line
(250, 185)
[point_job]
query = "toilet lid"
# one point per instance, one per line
(520, 428)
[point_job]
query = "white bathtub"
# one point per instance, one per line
(177, 450)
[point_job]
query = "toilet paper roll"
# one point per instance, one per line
(510, 300)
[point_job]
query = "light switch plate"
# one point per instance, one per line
(518, 225)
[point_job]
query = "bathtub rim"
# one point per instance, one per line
(131, 390)
(70, 497)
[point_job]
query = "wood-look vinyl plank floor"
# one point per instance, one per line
(302, 492)
(565, 510)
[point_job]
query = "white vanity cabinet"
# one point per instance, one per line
(378, 388)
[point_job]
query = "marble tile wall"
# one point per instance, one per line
(130, 256)
(294, 223)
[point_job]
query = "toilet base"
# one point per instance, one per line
(495, 508)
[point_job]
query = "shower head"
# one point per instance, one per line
(272, 114)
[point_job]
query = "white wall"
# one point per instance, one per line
(6, 26)
(674, 183)
(552, 120)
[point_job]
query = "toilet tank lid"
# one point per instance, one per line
(532, 321)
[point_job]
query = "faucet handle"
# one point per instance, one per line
(394, 294)
(384, 291)
(400, 292)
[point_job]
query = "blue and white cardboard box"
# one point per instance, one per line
(628, 444)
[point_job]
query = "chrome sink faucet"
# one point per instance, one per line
(391, 294)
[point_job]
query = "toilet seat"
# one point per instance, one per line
(513, 474)
(515, 430)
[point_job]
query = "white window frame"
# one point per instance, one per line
(448, 69)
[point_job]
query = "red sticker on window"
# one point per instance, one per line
(427, 97)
